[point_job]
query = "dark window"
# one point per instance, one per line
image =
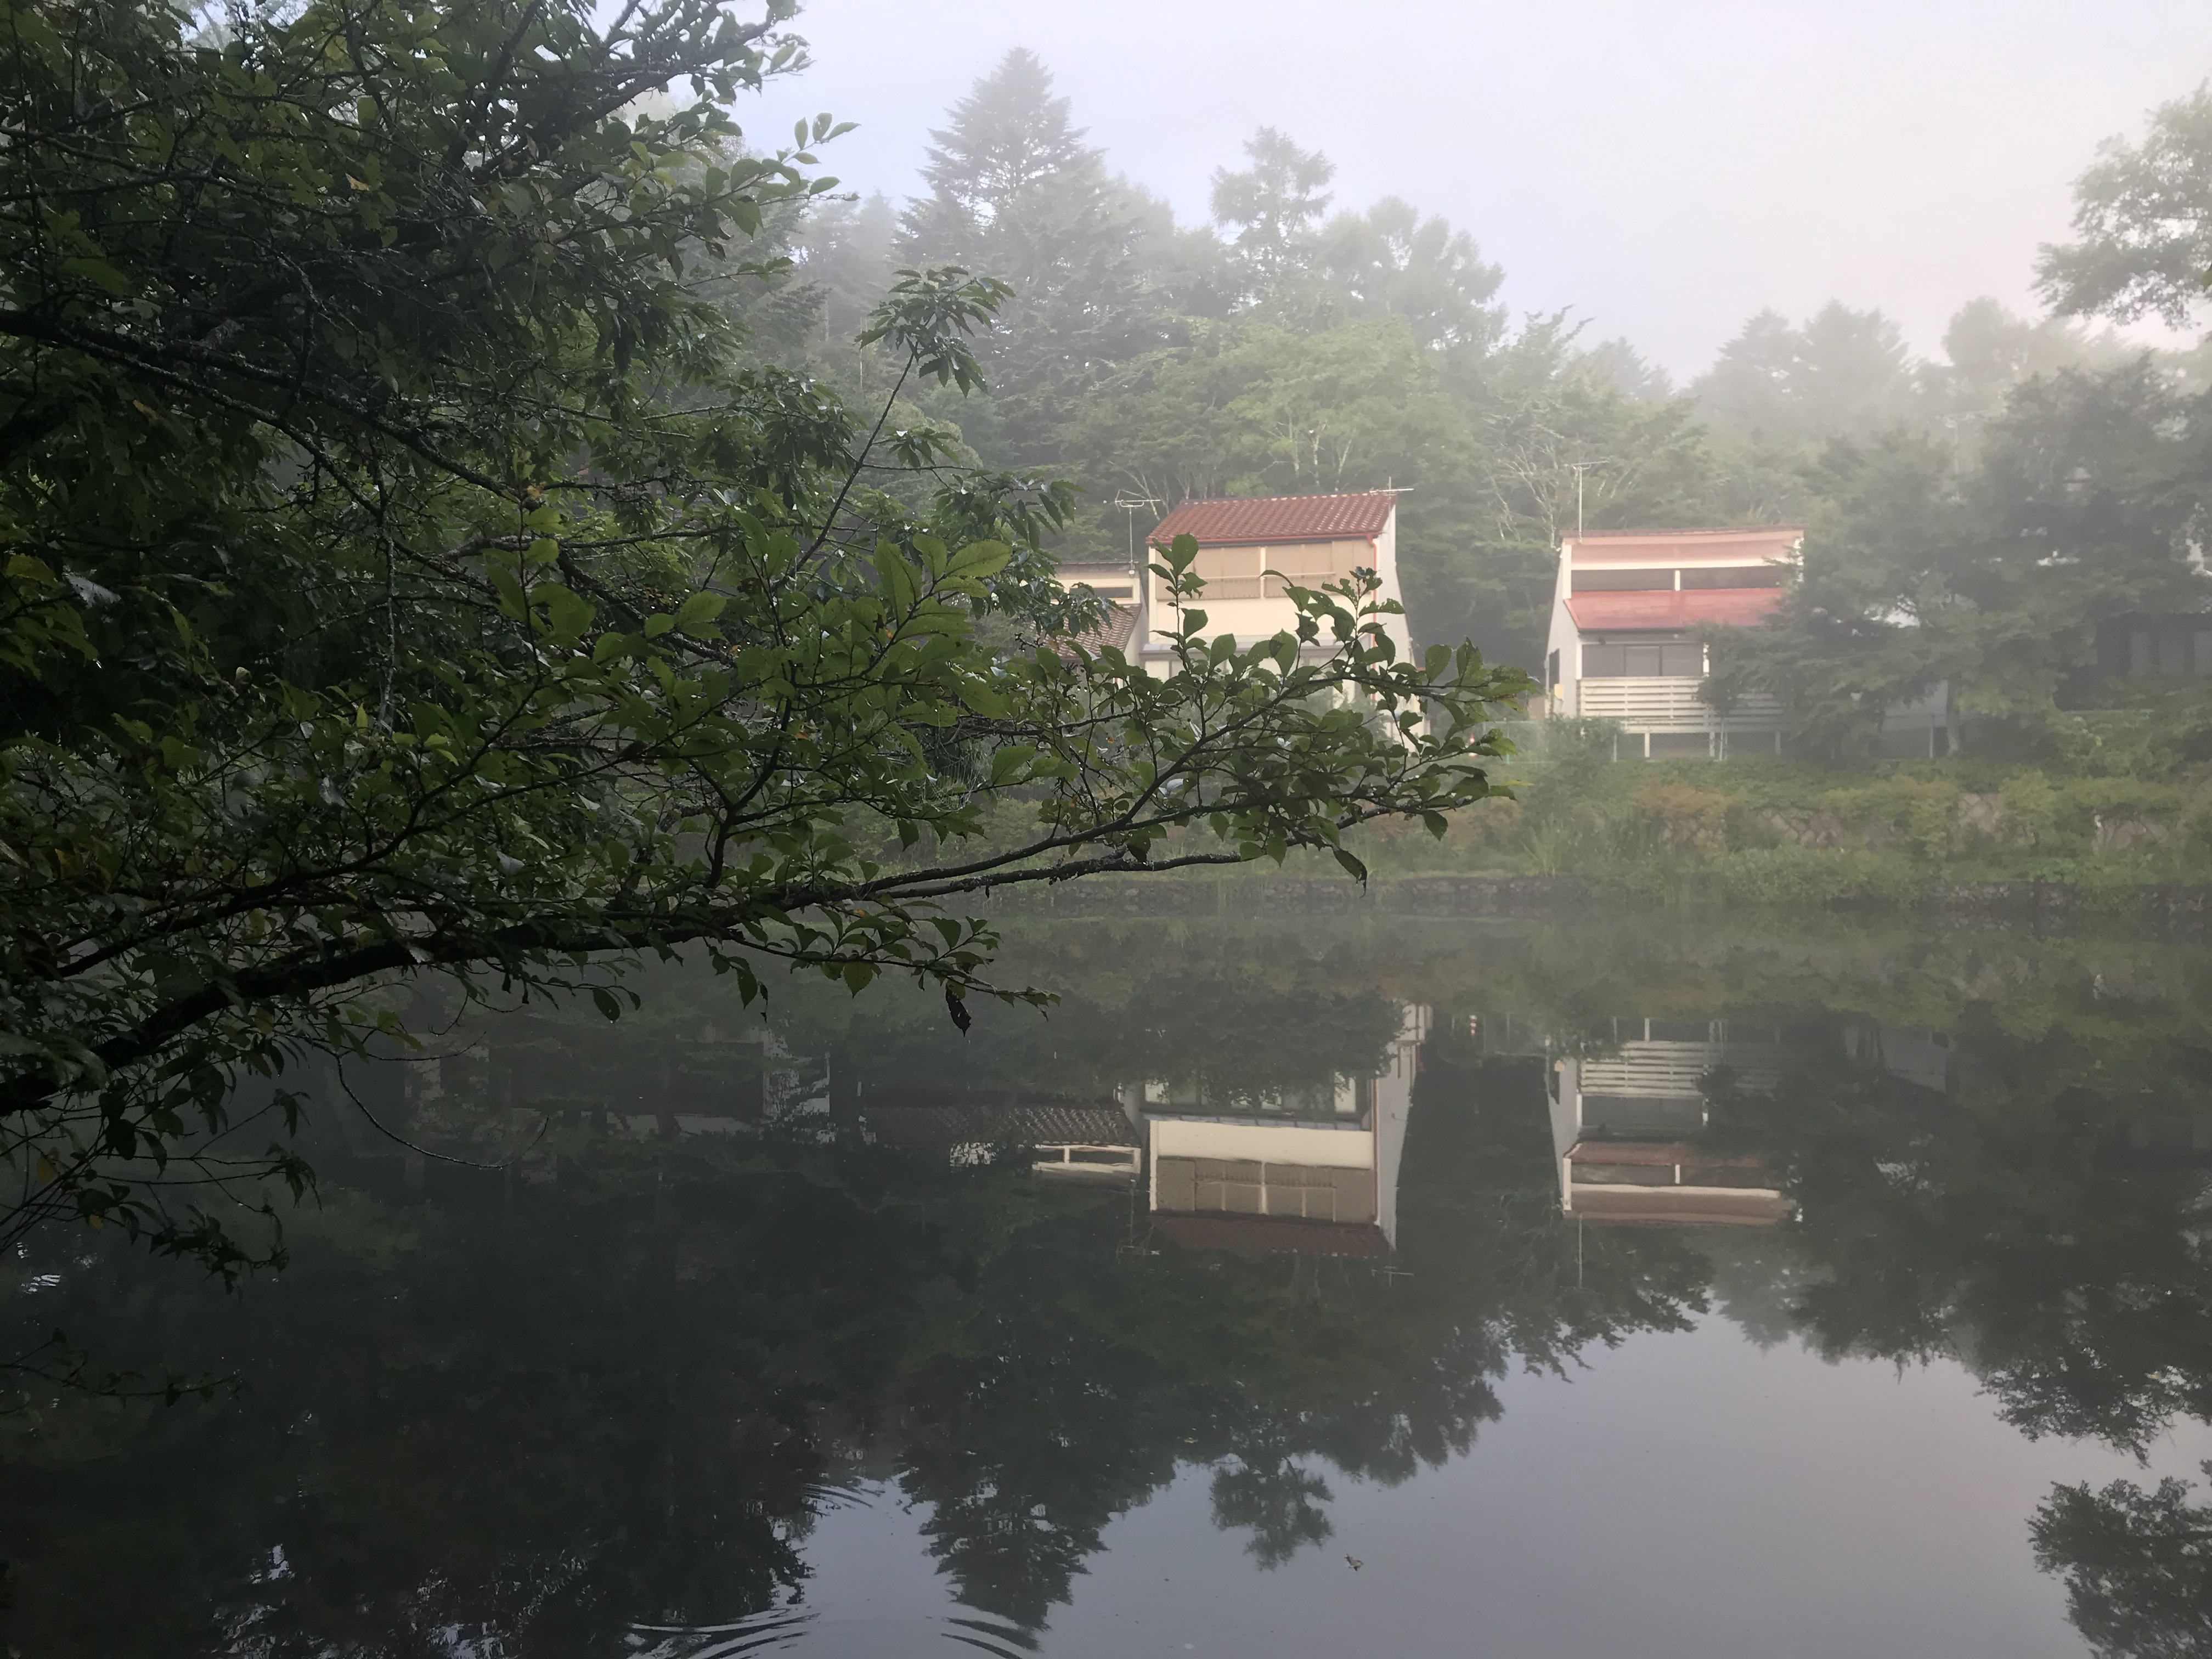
(1682, 661)
(1619, 581)
(1604, 662)
(1756, 575)
(1551, 670)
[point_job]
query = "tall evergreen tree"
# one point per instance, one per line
(1016, 192)
(1275, 206)
(1841, 373)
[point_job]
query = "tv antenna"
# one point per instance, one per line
(1579, 468)
(1129, 503)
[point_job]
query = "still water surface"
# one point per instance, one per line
(1672, 1287)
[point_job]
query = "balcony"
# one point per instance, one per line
(1670, 703)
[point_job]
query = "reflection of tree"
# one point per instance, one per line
(1266, 1491)
(619, 1389)
(2014, 1226)
(541, 1410)
(2137, 1566)
(2043, 1225)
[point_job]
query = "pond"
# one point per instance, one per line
(1665, 1285)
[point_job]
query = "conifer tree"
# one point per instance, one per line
(1014, 190)
(1275, 206)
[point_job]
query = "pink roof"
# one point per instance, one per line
(1661, 609)
(1787, 533)
(1280, 519)
(1675, 1206)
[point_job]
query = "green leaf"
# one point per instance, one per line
(979, 696)
(980, 560)
(1357, 869)
(700, 609)
(567, 614)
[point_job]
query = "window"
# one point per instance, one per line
(1310, 564)
(1618, 582)
(1231, 572)
(1237, 573)
(1676, 661)
(1742, 576)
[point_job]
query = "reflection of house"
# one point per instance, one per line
(1306, 540)
(1066, 1141)
(1313, 1172)
(1627, 611)
(1625, 1127)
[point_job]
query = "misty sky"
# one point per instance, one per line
(1666, 169)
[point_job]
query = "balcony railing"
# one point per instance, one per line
(1670, 703)
(1657, 1069)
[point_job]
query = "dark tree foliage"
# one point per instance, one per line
(410, 571)
(614, 1385)
(2137, 1566)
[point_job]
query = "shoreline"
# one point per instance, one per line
(2172, 908)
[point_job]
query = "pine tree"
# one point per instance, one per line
(1015, 192)
(1275, 206)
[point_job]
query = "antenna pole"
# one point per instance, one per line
(1581, 469)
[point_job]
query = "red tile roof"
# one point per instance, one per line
(1048, 1123)
(1280, 519)
(1272, 1235)
(1661, 609)
(1120, 623)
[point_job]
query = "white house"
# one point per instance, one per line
(1626, 609)
(1626, 1127)
(1249, 549)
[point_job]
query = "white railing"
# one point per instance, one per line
(1657, 1069)
(1669, 703)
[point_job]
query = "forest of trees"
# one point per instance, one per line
(1299, 344)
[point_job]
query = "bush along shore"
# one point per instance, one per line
(1976, 836)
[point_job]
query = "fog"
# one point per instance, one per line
(1666, 171)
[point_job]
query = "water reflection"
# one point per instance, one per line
(1309, 1171)
(1285, 1207)
(1629, 1126)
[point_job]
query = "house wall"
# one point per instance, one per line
(1394, 1104)
(1240, 600)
